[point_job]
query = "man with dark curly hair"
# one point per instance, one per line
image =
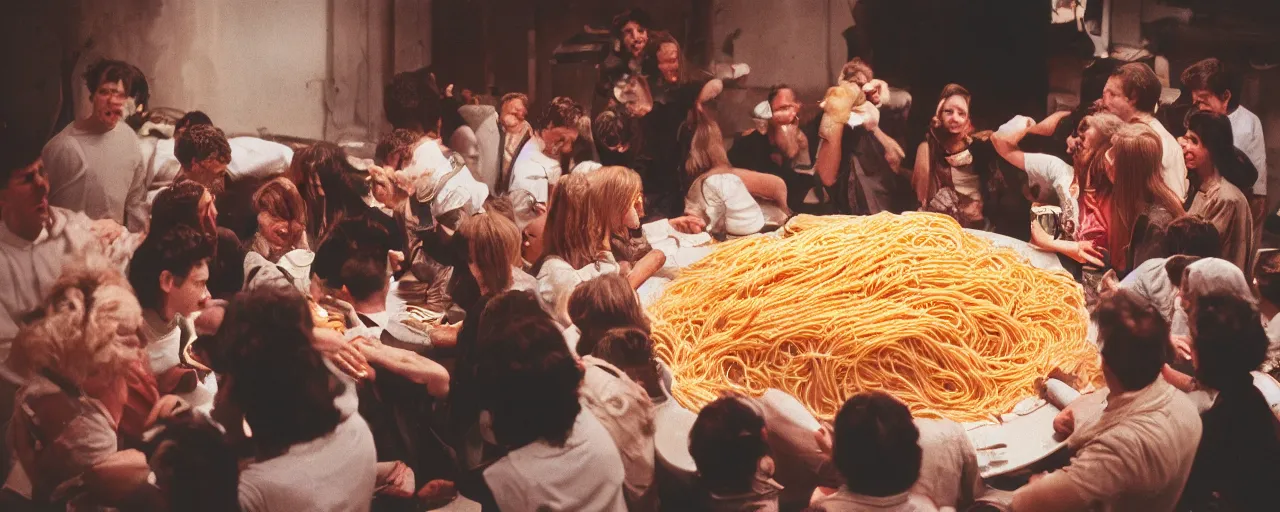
(538, 166)
(94, 164)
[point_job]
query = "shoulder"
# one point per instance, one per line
(63, 145)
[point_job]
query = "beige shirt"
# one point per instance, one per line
(1172, 167)
(1138, 453)
(949, 474)
(1227, 208)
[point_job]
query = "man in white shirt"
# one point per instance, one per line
(1137, 454)
(537, 166)
(1132, 93)
(94, 164)
(1215, 89)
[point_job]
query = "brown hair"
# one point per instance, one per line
(651, 49)
(574, 231)
(1140, 84)
(604, 303)
(1214, 76)
(493, 244)
(937, 150)
(856, 71)
(706, 152)
(201, 142)
(512, 96)
(1138, 186)
(280, 198)
(1091, 166)
(614, 190)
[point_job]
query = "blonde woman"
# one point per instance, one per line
(1142, 204)
(573, 249)
(618, 197)
(79, 354)
(723, 199)
(493, 243)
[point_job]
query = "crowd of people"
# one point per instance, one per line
(199, 331)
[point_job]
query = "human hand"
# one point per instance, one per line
(823, 437)
(395, 479)
(437, 493)
(169, 406)
(210, 317)
(1065, 422)
(1085, 252)
(106, 230)
(118, 476)
(1181, 347)
(688, 224)
(346, 356)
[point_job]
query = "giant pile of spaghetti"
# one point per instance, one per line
(910, 305)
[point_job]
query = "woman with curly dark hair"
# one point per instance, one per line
(306, 433)
(333, 190)
(1223, 176)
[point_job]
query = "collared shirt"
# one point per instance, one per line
(1172, 167)
(534, 171)
(1138, 453)
(1246, 132)
(845, 500)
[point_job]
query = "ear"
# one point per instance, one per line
(167, 281)
(1226, 97)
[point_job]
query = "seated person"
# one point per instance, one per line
(726, 200)
(876, 448)
(1146, 419)
(537, 167)
(619, 198)
(204, 154)
(782, 151)
(170, 275)
(598, 305)
(560, 456)
(195, 468)
(1267, 279)
(631, 350)
(188, 203)
(306, 432)
(1232, 469)
(1187, 236)
(575, 248)
(728, 446)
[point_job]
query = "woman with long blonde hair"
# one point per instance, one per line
(618, 196)
(573, 248)
(721, 198)
(493, 247)
(1141, 204)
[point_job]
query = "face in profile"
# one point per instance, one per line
(1114, 101)
(559, 141)
(514, 113)
(27, 195)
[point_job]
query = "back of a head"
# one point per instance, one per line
(176, 251)
(409, 102)
(396, 146)
(1192, 236)
(574, 231)
(17, 151)
(1140, 84)
(727, 442)
(530, 383)
(614, 192)
(625, 347)
(354, 255)
(178, 205)
(280, 199)
(1176, 266)
(561, 112)
(201, 142)
(1267, 273)
(328, 183)
(1134, 338)
(876, 445)
(190, 119)
(264, 347)
(195, 468)
(1229, 341)
(493, 245)
(504, 309)
(604, 303)
(75, 331)
(612, 129)
(1214, 132)
(1137, 151)
(1214, 76)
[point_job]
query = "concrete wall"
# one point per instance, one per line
(250, 64)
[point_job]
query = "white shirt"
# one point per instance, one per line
(1151, 281)
(1054, 178)
(333, 473)
(534, 171)
(100, 174)
(585, 474)
(557, 280)
(1172, 166)
(1246, 131)
(725, 204)
(461, 191)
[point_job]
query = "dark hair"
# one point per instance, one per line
(512, 96)
(612, 129)
(1215, 135)
(107, 71)
(852, 69)
(1192, 236)
(1229, 342)
(1094, 79)
(200, 142)
(1140, 84)
(625, 347)
(876, 445)
(530, 381)
(178, 205)
(1176, 265)
(178, 250)
(332, 188)
(727, 443)
(561, 112)
(1267, 272)
(399, 140)
(354, 254)
(450, 118)
(775, 90)
(276, 376)
(511, 306)
(410, 101)
(200, 469)
(192, 118)
(601, 304)
(17, 151)
(1214, 76)
(1134, 337)
(637, 15)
